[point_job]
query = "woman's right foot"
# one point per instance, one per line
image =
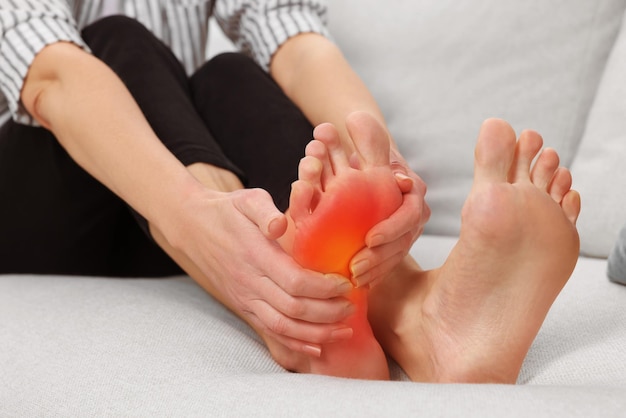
(474, 318)
(333, 205)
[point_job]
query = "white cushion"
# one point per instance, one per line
(84, 346)
(599, 168)
(439, 68)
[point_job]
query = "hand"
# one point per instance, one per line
(389, 241)
(230, 240)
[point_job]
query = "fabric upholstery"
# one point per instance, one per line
(598, 168)
(79, 346)
(439, 68)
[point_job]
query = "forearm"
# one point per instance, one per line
(97, 121)
(315, 75)
(313, 72)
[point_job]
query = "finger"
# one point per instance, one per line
(326, 311)
(408, 217)
(405, 183)
(257, 205)
(403, 174)
(379, 272)
(295, 346)
(370, 263)
(414, 209)
(297, 281)
(272, 321)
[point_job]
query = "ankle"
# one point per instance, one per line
(215, 178)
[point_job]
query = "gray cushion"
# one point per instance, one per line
(616, 270)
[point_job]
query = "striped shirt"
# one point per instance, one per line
(256, 27)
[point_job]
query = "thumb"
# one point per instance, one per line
(257, 205)
(405, 183)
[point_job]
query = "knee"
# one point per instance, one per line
(227, 73)
(113, 29)
(231, 60)
(229, 66)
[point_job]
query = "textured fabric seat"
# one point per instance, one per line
(77, 346)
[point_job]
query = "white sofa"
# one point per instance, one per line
(76, 346)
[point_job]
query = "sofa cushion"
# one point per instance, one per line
(85, 346)
(598, 167)
(439, 68)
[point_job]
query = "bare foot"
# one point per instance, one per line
(333, 205)
(474, 319)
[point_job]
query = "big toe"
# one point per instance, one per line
(495, 149)
(370, 139)
(336, 156)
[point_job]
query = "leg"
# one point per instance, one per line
(159, 84)
(256, 125)
(163, 110)
(85, 229)
(474, 319)
(55, 218)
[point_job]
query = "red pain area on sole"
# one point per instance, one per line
(327, 240)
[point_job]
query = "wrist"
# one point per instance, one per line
(176, 203)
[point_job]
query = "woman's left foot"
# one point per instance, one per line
(474, 318)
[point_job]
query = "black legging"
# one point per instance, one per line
(57, 219)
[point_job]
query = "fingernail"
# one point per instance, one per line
(273, 224)
(359, 267)
(359, 282)
(402, 176)
(376, 240)
(341, 334)
(312, 350)
(350, 309)
(344, 287)
(270, 227)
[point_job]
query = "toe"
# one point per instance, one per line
(560, 184)
(527, 147)
(328, 134)
(317, 150)
(305, 192)
(301, 200)
(494, 152)
(370, 139)
(571, 205)
(310, 170)
(545, 169)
